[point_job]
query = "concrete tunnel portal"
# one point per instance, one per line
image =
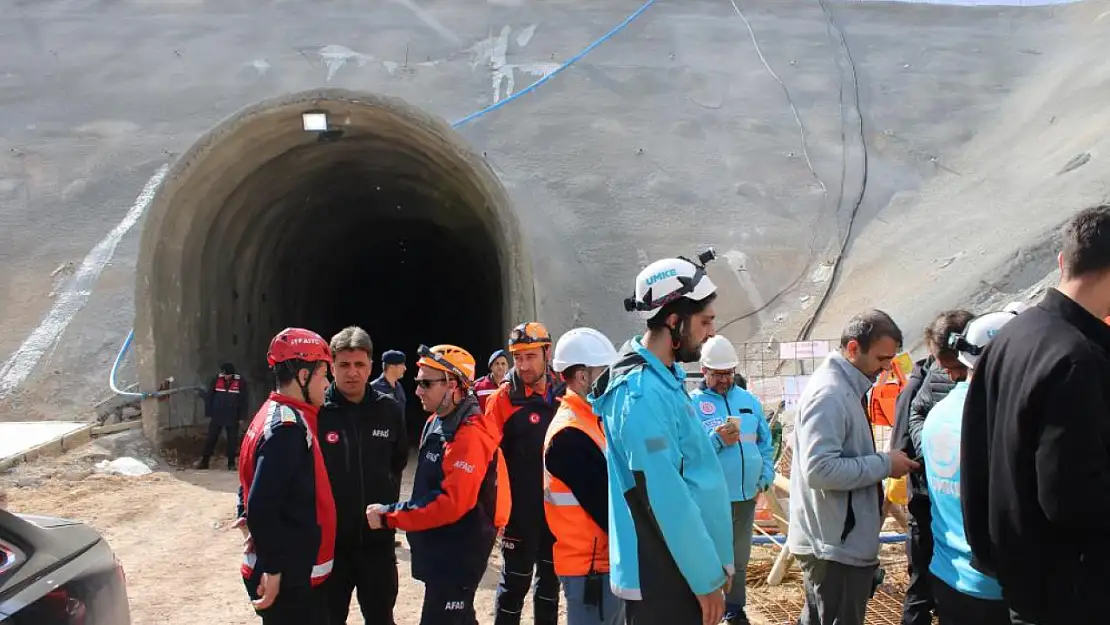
(386, 220)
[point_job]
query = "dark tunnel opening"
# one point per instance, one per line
(394, 227)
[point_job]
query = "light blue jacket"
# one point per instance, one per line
(664, 478)
(749, 464)
(940, 444)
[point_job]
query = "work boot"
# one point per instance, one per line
(202, 464)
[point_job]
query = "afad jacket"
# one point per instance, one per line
(749, 464)
(450, 519)
(670, 529)
(365, 450)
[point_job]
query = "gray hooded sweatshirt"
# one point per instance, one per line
(835, 474)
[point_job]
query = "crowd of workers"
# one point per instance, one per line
(602, 479)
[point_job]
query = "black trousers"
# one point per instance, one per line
(296, 605)
(917, 609)
(370, 570)
(681, 609)
(446, 604)
(956, 608)
(214, 430)
(519, 558)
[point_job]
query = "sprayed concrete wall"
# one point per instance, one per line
(673, 135)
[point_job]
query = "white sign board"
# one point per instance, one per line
(803, 350)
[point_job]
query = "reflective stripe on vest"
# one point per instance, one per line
(580, 545)
(320, 572)
(222, 385)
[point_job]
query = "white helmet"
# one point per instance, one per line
(583, 346)
(977, 335)
(1016, 307)
(718, 354)
(664, 281)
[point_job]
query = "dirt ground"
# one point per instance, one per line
(172, 531)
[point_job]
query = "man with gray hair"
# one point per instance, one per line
(362, 435)
(836, 475)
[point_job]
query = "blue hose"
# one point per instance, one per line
(574, 59)
(475, 115)
(115, 369)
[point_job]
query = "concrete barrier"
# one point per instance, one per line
(43, 445)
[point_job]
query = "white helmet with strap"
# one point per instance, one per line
(664, 281)
(977, 335)
(583, 346)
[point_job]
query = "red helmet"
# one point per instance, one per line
(298, 344)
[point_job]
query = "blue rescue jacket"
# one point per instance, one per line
(749, 464)
(670, 525)
(940, 444)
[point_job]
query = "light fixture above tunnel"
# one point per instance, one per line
(314, 121)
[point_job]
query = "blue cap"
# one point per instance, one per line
(495, 355)
(393, 357)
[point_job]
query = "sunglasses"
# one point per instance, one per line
(426, 383)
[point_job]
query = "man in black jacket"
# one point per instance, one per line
(929, 383)
(1035, 452)
(362, 435)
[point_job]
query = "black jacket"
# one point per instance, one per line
(900, 436)
(365, 449)
(934, 388)
(396, 392)
(1035, 453)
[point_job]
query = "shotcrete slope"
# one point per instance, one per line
(986, 227)
(671, 136)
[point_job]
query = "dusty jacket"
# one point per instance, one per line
(1035, 453)
(835, 472)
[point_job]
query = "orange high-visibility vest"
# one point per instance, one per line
(581, 546)
(884, 396)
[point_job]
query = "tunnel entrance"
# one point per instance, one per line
(385, 220)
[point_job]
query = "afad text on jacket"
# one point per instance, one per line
(450, 517)
(285, 495)
(365, 449)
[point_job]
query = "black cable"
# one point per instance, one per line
(843, 168)
(807, 327)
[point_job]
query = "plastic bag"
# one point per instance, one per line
(123, 466)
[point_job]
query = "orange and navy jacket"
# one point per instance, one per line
(483, 388)
(285, 494)
(575, 489)
(518, 418)
(449, 520)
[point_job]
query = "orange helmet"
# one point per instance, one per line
(528, 336)
(449, 359)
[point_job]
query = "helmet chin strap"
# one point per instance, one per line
(304, 387)
(676, 335)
